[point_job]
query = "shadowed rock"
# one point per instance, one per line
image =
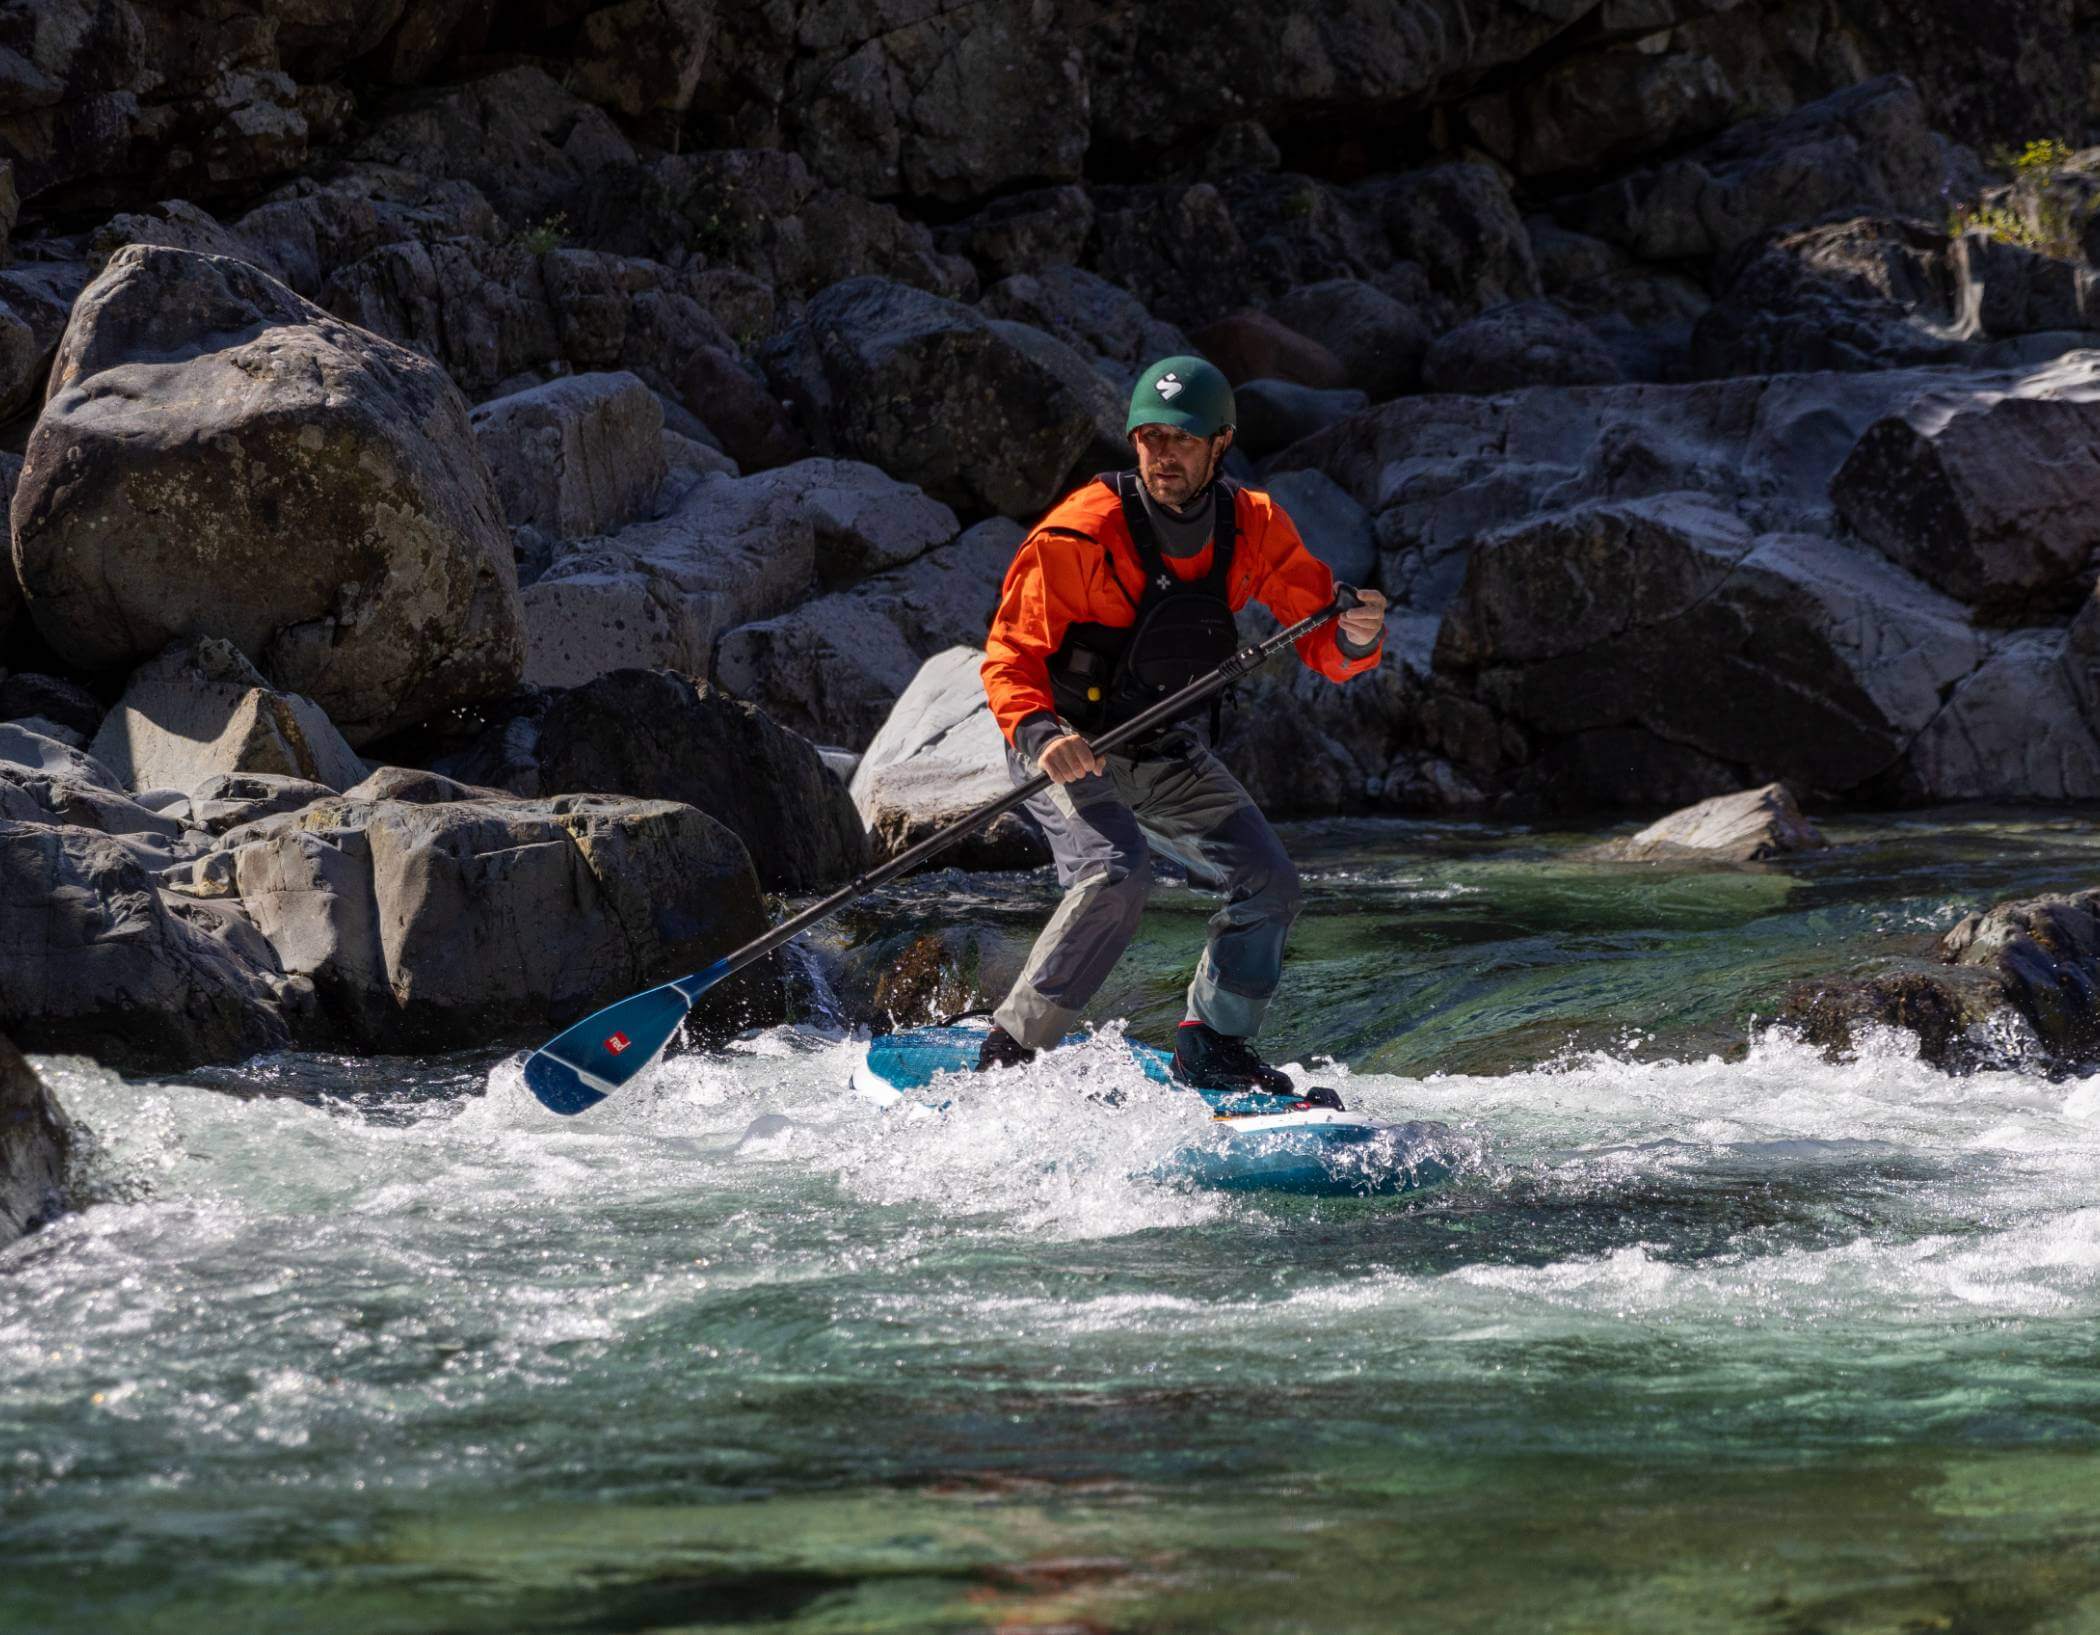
(655, 734)
(1995, 500)
(932, 393)
(35, 1145)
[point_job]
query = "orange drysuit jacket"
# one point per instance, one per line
(1079, 566)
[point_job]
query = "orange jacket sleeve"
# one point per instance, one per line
(1046, 592)
(1292, 583)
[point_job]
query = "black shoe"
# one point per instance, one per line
(1205, 1059)
(1002, 1049)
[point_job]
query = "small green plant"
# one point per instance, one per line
(2041, 158)
(2038, 210)
(548, 233)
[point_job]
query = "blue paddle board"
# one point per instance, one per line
(1252, 1142)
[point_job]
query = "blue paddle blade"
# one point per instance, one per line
(608, 1049)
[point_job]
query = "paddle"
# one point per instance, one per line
(610, 1048)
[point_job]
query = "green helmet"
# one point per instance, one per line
(1185, 392)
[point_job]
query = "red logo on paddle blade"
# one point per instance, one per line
(617, 1043)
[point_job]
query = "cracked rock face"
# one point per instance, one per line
(218, 457)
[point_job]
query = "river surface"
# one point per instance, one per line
(1702, 1336)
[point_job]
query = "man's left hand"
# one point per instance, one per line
(1363, 623)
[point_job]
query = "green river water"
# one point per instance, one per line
(1701, 1337)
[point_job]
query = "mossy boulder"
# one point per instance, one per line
(219, 457)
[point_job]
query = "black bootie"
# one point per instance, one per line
(1002, 1049)
(1205, 1059)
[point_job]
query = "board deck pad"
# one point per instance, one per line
(1256, 1142)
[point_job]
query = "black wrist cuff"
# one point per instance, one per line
(1032, 732)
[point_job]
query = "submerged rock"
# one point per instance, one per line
(35, 1144)
(2045, 954)
(1741, 828)
(2037, 959)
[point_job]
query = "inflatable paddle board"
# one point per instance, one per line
(1309, 1144)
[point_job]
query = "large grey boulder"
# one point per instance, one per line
(934, 394)
(656, 595)
(491, 313)
(24, 747)
(832, 668)
(306, 230)
(36, 1144)
(1746, 827)
(219, 457)
(201, 709)
(578, 456)
(96, 960)
(471, 922)
(2045, 953)
(2003, 288)
(1995, 500)
(43, 780)
(226, 800)
(939, 756)
(1867, 147)
(662, 736)
(1789, 657)
(1437, 471)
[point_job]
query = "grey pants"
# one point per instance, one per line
(1099, 827)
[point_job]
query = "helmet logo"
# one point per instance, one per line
(1168, 386)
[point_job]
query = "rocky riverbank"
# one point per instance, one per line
(483, 478)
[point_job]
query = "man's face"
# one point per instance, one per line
(1174, 465)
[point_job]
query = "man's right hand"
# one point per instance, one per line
(1068, 758)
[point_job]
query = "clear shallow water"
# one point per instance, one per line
(1700, 1339)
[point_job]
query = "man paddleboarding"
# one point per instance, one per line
(1121, 595)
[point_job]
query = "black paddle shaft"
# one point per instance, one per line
(1167, 709)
